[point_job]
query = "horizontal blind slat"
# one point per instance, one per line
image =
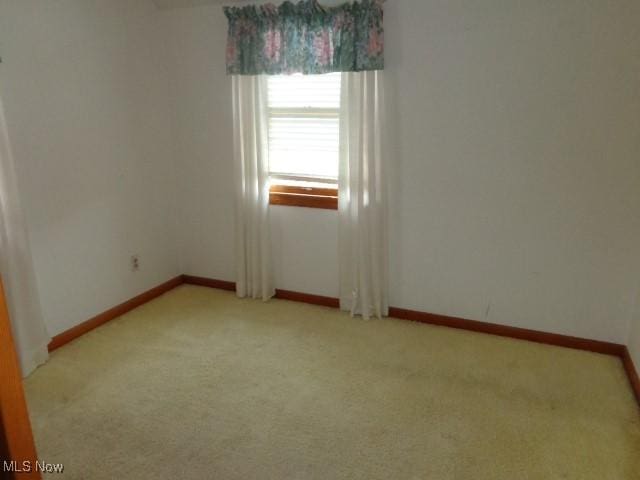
(304, 124)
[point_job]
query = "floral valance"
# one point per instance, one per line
(305, 37)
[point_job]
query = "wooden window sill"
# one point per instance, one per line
(301, 196)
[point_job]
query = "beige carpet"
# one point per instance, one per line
(198, 384)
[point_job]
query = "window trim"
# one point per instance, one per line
(304, 196)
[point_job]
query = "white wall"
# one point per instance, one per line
(85, 86)
(514, 125)
(515, 197)
(517, 137)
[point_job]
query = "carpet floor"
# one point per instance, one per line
(198, 384)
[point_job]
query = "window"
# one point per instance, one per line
(304, 131)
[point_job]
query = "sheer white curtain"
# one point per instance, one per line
(362, 201)
(253, 244)
(16, 266)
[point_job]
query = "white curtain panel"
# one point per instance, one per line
(362, 204)
(253, 244)
(16, 266)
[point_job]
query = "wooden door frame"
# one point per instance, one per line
(16, 436)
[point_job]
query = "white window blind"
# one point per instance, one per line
(304, 121)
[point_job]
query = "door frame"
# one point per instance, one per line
(16, 437)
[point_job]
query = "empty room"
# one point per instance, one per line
(320, 239)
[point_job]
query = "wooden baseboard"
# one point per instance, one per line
(567, 341)
(209, 282)
(507, 331)
(307, 298)
(281, 294)
(632, 373)
(74, 332)
(559, 340)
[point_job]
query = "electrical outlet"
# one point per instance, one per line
(135, 263)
